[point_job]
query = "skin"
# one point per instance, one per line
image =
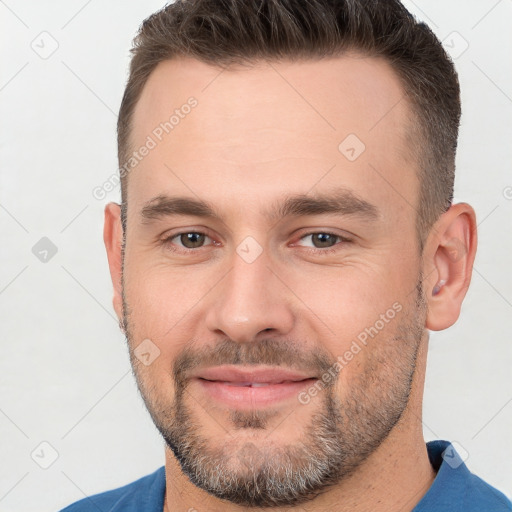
(256, 136)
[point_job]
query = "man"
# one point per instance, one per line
(285, 242)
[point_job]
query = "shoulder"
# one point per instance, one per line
(145, 493)
(485, 496)
(455, 488)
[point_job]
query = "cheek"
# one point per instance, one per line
(161, 298)
(344, 301)
(165, 305)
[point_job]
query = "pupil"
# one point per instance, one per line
(324, 239)
(191, 240)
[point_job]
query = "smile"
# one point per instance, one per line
(250, 395)
(254, 384)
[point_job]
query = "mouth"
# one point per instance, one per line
(253, 384)
(250, 387)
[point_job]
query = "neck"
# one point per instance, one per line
(395, 477)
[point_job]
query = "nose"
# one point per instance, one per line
(251, 301)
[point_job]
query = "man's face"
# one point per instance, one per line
(309, 269)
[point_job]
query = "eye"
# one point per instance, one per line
(323, 241)
(187, 240)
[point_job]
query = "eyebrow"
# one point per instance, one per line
(339, 202)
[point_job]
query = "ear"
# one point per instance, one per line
(113, 238)
(448, 263)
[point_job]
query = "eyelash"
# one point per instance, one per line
(314, 250)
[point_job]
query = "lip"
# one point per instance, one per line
(237, 374)
(250, 387)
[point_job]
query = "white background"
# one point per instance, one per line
(64, 370)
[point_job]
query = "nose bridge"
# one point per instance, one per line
(249, 299)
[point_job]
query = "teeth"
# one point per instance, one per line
(249, 384)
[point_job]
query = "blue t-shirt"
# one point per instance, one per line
(455, 489)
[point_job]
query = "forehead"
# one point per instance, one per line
(274, 127)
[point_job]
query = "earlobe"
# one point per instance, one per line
(452, 249)
(113, 239)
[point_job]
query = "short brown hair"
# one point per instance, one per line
(226, 32)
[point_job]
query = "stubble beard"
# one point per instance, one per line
(341, 435)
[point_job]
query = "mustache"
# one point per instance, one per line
(271, 352)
